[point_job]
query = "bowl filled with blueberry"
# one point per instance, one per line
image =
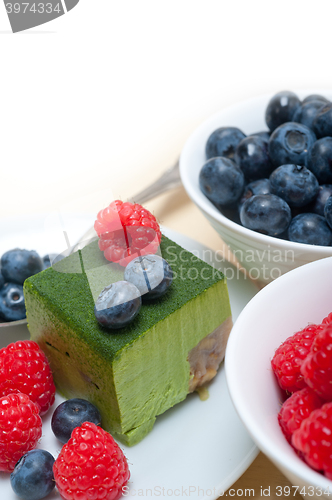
(16, 265)
(261, 173)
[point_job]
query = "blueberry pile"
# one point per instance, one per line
(148, 277)
(15, 267)
(276, 182)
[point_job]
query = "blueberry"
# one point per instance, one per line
(291, 143)
(17, 265)
(32, 478)
(118, 304)
(266, 213)
(70, 414)
(263, 134)
(2, 280)
(318, 205)
(296, 184)
(322, 124)
(320, 160)
(48, 259)
(311, 229)
(281, 109)
(12, 306)
(328, 211)
(222, 181)
(151, 274)
(261, 186)
(252, 156)
(307, 113)
(315, 97)
(223, 142)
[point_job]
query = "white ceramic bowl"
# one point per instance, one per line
(264, 257)
(285, 306)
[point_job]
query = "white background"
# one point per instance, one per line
(106, 95)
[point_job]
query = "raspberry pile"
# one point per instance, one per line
(126, 231)
(303, 368)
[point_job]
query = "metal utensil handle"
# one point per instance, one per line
(170, 179)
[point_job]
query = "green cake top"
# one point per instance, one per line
(70, 296)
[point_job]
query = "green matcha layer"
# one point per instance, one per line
(135, 373)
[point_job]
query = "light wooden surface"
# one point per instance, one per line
(176, 211)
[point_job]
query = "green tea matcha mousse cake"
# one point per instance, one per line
(173, 346)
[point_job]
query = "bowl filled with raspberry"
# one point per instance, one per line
(279, 373)
(261, 173)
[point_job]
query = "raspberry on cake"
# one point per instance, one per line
(133, 374)
(127, 230)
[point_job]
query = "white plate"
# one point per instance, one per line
(196, 449)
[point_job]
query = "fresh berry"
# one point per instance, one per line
(70, 414)
(12, 304)
(311, 229)
(252, 156)
(307, 113)
(296, 408)
(328, 211)
(50, 259)
(295, 184)
(318, 205)
(17, 265)
(222, 181)
(314, 439)
(127, 230)
(32, 478)
(24, 368)
(266, 213)
(2, 279)
(281, 109)
(315, 97)
(291, 143)
(288, 358)
(261, 186)
(317, 367)
(263, 134)
(320, 160)
(118, 305)
(151, 274)
(323, 122)
(328, 319)
(21, 428)
(223, 142)
(91, 466)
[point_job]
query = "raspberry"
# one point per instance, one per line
(20, 428)
(314, 439)
(91, 466)
(296, 408)
(317, 367)
(328, 319)
(288, 358)
(24, 368)
(126, 230)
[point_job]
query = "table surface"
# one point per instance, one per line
(176, 211)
